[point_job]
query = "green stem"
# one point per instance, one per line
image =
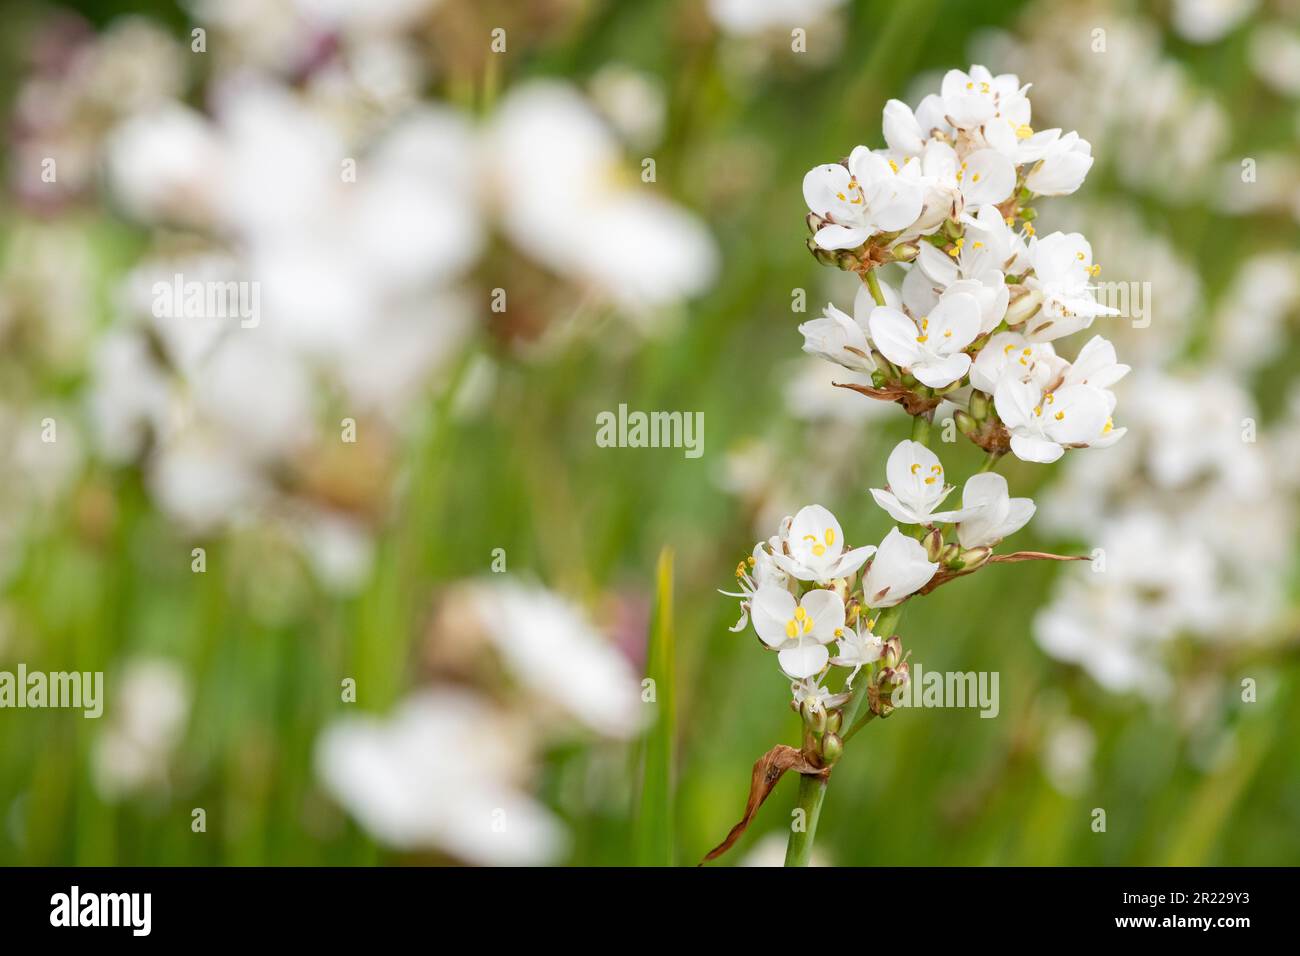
(990, 462)
(873, 286)
(812, 791)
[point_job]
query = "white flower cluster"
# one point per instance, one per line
(984, 297)
(806, 589)
(972, 324)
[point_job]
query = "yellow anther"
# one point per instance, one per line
(893, 165)
(1038, 409)
(975, 178)
(841, 197)
(791, 629)
(807, 624)
(915, 467)
(800, 614)
(830, 536)
(923, 339)
(936, 469)
(819, 549)
(947, 333)
(1024, 131)
(929, 481)
(1080, 256)
(1110, 424)
(1029, 228)
(1060, 416)
(839, 632)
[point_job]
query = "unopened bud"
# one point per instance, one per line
(815, 223)
(841, 587)
(974, 557)
(905, 251)
(879, 379)
(832, 749)
(848, 261)
(892, 653)
(965, 424)
(833, 721)
(950, 554)
(1024, 307)
(933, 542)
(979, 405)
(1029, 214)
(824, 256)
(814, 715)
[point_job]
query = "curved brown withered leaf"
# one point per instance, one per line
(768, 770)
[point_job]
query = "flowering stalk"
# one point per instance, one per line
(982, 298)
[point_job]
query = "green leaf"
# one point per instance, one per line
(654, 819)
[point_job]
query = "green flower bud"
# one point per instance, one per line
(814, 715)
(906, 251)
(965, 424)
(975, 557)
(979, 405)
(933, 544)
(832, 749)
(833, 721)
(950, 556)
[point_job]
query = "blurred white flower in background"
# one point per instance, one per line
(1208, 21)
(564, 195)
(749, 17)
(551, 646)
(445, 771)
(145, 712)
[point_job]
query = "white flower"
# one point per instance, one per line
(812, 547)
(553, 649)
(1042, 424)
(750, 17)
(903, 132)
(1095, 366)
(899, 568)
(856, 649)
(916, 485)
(930, 348)
(763, 570)
(147, 721)
(1062, 266)
(798, 630)
(984, 176)
(989, 513)
(866, 198)
(1064, 164)
(838, 338)
(972, 99)
(810, 688)
(1010, 355)
(556, 177)
(439, 774)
